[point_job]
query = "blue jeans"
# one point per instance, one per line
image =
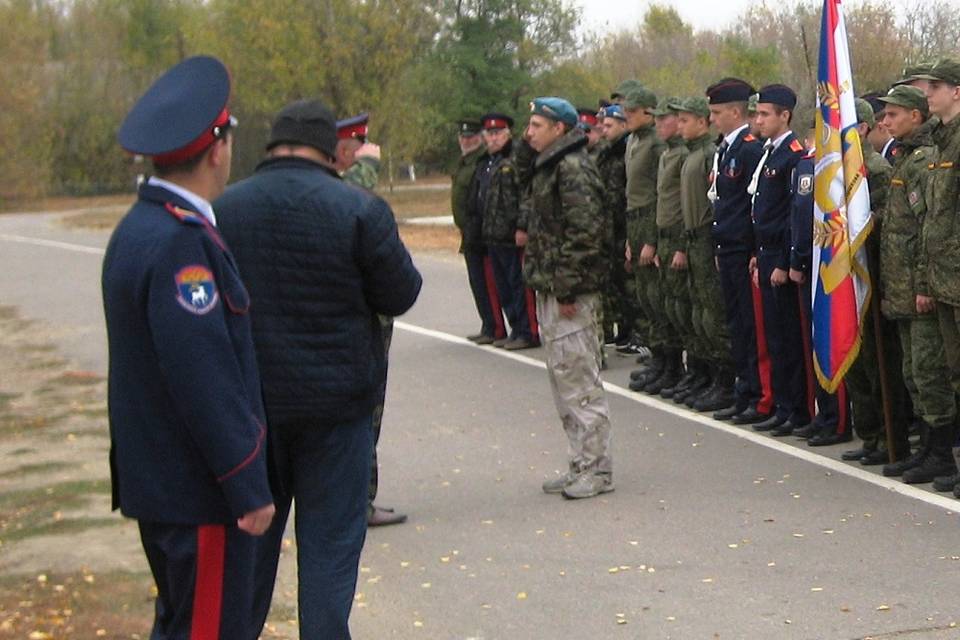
(325, 470)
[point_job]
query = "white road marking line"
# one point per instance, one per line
(950, 504)
(55, 244)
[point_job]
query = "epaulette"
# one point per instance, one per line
(796, 146)
(749, 138)
(183, 215)
(810, 155)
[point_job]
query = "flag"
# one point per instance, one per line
(841, 217)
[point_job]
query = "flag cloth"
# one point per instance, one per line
(841, 217)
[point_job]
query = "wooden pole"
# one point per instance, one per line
(882, 368)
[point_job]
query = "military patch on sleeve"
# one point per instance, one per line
(196, 289)
(914, 198)
(805, 184)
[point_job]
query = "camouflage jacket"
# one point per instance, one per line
(524, 157)
(613, 176)
(364, 173)
(643, 160)
(878, 184)
(501, 202)
(460, 195)
(668, 183)
(695, 182)
(902, 262)
(564, 257)
(941, 230)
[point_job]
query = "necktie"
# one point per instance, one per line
(717, 159)
(767, 147)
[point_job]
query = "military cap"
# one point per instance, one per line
(778, 94)
(943, 70)
(873, 99)
(181, 114)
(696, 105)
(666, 107)
(640, 98)
(587, 118)
(496, 121)
(554, 108)
(752, 103)
(305, 122)
(865, 113)
(908, 97)
(468, 126)
(355, 127)
(614, 111)
(913, 73)
(625, 87)
(729, 90)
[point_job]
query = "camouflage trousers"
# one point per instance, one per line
(386, 329)
(675, 290)
(573, 365)
(707, 313)
(925, 371)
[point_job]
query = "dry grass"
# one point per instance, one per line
(53, 205)
(417, 203)
(430, 237)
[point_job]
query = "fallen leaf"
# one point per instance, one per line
(522, 595)
(883, 607)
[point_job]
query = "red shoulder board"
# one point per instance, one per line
(796, 146)
(187, 217)
(749, 138)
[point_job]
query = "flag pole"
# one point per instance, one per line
(882, 369)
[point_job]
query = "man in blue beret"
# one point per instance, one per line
(564, 265)
(321, 259)
(187, 425)
(771, 207)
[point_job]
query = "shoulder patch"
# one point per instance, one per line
(796, 146)
(918, 152)
(506, 169)
(805, 184)
(183, 215)
(896, 182)
(946, 165)
(913, 197)
(749, 138)
(196, 289)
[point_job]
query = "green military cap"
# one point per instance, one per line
(666, 107)
(908, 97)
(943, 70)
(697, 105)
(865, 113)
(469, 126)
(752, 103)
(640, 98)
(913, 73)
(626, 87)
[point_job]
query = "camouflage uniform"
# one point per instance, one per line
(612, 170)
(642, 163)
(364, 172)
(674, 300)
(564, 258)
(904, 276)
(863, 378)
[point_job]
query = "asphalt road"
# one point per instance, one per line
(712, 532)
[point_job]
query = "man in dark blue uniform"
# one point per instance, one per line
(772, 197)
(734, 163)
(322, 258)
(187, 425)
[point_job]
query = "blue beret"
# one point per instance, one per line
(556, 109)
(729, 90)
(614, 111)
(778, 94)
(181, 114)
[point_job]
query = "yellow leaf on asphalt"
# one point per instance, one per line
(883, 607)
(522, 595)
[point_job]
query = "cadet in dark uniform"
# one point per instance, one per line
(187, 424)
(734, 163)
(772, 197)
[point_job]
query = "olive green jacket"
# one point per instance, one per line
(460, 190)
(643, 161)
(941, 229)
(695, 182)
(668, 183)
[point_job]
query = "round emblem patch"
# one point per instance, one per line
(196, 289)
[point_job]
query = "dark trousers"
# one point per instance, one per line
(833, 409)
(784, 334)
(386, 328)
(738, 297)
(325, 470)
(485, 297)
(518, 302)
(205, 577)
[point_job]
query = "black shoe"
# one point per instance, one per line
(946, 483)
(667, 379)
(827, 439)
(932, 466)
(750, 416)
(876, 457)
(786, 429)
(898, 468)
(805, 432)
(729, 413)
(956, 491)
(856, 454)
(631, 348)
(683, 384)
(716, 400)
(769, 424)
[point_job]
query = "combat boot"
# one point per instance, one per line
(557, 485)
(653, 371)
(946, 483)
(672, 371)
(682, 384)
(722, 395)
(938, 461)
(894, 469)
(588, 485)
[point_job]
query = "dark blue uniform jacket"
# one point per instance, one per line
(186, 418)
(732, 230)
(772, 204)
(801, 218)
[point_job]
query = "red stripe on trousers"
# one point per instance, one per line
(531, 298)
(499, 331)
(208, 589)
(765, 403)
(807, 353)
